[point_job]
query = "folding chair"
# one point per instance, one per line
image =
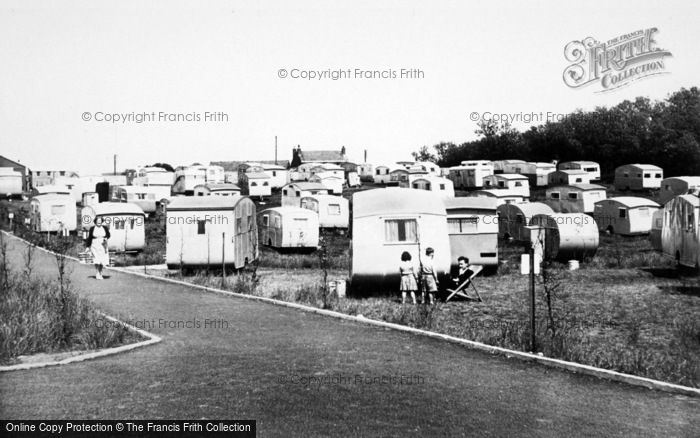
(462, 288)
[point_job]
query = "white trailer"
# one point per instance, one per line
(333, 211)
(625, 215)
(126, 222)
(53, 213)
(210, 231)
(289, 227)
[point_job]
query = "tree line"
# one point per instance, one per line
(665, 133)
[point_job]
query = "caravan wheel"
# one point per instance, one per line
(610, 230)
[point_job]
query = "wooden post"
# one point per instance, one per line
(223, 260)
(532, 299)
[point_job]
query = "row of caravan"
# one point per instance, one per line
(388, 222)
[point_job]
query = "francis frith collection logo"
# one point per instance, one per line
(614, 63)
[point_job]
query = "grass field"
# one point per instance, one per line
(628, 308)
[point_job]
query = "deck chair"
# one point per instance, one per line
(462, 288)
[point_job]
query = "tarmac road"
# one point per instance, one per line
(301, 374)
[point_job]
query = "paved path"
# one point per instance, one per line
(251, 369)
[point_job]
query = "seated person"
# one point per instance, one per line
(462, 273)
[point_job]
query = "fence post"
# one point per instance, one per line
(532, 298)
(223, 260)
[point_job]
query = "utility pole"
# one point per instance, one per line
(275, 149)
(115, 164)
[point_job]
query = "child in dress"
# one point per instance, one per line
(408, 278)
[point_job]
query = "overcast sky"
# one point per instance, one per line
(225, 56)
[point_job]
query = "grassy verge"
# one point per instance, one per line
(636, 321)
(48, 316)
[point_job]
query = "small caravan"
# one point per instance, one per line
(513, 182)
(327, 169)
(381, 174)
(590, 167)
(366, 171)
(293, 192)
(398, 176)
(126, 222)
(224, 189)
(10, 182)
(53, 212)
(567, 236)
(514, 219)
(470, 174)
(142, 196)
(472, 225)
(625, 215)
(210, 230)
(680, 233)
(255, 184)
(503, 196)
(353, 179)
(385, 223)
(568, 177)
(187, 177)
(638, 177)
(333, 211)
(575, 198)
(677, 185)
(279, 176)
(538, 173)
(331, 181)
(158, 180)
(289, 227)
(427, 167)
(508, 166)
(436, 184)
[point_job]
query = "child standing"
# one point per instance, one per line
(428, 275)
(408, 278)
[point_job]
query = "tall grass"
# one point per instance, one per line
(37, 316)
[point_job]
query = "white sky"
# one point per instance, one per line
(59, 60)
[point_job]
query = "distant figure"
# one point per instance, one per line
(97, 242)
(429, 277)
(409, 281)
(463, 272)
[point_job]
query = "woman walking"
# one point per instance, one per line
(408, 278)
(97, 242)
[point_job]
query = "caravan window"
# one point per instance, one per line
(518, 184)
(658, 175)
(573, 195)
(284, 192)
(578, 180)
(554, 195)
(626, 174)
(462, 225)
(253, 184)
(623, 213)
(591, 169)
(274, 173)
(58, 209)
(647, 175)
(276, 221)
(501, 183)
(442, 186)
(334, 209)
(400, 230)
(266, 220)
